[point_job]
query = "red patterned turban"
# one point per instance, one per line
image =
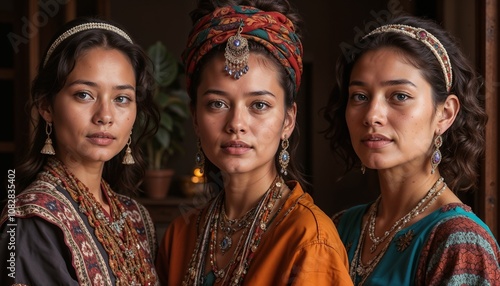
(273, 30)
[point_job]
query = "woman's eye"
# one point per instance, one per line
(260, 105)
(217, 104)
(401, 96)
(359, 97)
(123, 99)
(83, 95)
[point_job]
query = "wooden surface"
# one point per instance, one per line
(489, 61)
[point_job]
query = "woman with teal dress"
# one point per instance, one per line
(408, 106)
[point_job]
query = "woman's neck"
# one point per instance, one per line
(242, 193)
(402, 193)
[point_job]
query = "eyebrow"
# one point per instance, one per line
(385, 83)
(253, 93)
(93, 84)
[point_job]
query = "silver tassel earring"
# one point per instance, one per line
(436, 155)
(200, 158)
(48, 149)
(128, 159)
(284, 157)
(363, 168)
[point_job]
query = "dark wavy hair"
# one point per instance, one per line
(51, 79)
(212, 173)
(463, 142)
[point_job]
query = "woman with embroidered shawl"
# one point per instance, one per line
(244, 64)
(408, 105)
(69, 225)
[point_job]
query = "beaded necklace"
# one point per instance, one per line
(235, 271)
(220, 272)
(116, 233)
(402, 221)
(358, 268)
(232, 226)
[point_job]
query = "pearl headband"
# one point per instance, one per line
(428, 39)
(84, 27)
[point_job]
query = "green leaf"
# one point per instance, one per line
(165, 66)
(162, 99)
(173, 102)
(179, 110)
(166, 121)
(163, 137)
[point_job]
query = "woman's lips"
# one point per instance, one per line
(376, 141)
(236, 147)
(101, 138)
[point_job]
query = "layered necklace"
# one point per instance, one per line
(117, 234)
(358, 268)
(253, 225)
(232, 226)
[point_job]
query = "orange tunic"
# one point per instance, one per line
(301, 247)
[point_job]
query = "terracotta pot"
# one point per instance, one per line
(157, 183)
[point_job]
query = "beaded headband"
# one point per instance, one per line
(426, 38)
(84, 27)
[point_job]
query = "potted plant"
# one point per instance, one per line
(172, 101)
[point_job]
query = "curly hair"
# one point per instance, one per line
(51, 79)
(212, 173)
(463, 142)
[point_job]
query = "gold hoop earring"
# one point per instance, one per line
(128, 159)
(284, 157)
(48, 149)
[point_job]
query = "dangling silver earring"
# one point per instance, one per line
(284, 157)
(200, 158)
(436, 155)
(363, 168)
(128, 159)
(48, 149)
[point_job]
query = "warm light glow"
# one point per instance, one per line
(197, 172)
(195, 179)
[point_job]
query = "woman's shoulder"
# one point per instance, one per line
(46, 201)
(308, 214)
(41, 194)
(38, 189)
(460, 243)
(300, 209)
(455, 220)
(301, 215)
